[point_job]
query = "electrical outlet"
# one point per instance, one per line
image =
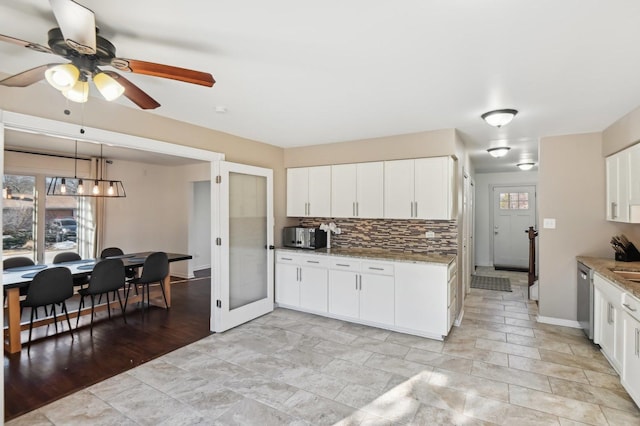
(430, 234)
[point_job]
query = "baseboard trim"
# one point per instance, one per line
(558, 321)
(458, 320)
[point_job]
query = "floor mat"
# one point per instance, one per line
(490, 283)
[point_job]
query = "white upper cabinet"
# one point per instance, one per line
(419, 189)
(618, 187)
(357, 190)
(309, 191)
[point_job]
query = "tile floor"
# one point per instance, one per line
(289, 368)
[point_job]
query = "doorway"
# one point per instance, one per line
(200, 227)
(514, 211)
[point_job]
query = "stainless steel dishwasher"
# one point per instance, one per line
(585, 299)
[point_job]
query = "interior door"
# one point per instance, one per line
(245, 289)
(514, 211)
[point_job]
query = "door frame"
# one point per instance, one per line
(31, 124)
(492, 210)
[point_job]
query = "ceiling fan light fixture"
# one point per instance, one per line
(62, 76)
(499, 117)
(499, 151)
(108, 87)
(78, 93)
(525, 166)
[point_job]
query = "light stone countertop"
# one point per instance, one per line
(605, 267)
(378, 254)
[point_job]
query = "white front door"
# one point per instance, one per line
(514, 211)
(245, 248)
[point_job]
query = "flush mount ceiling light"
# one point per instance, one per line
(499, 117)
(525, 166)
(498, 152)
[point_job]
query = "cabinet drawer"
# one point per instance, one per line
(452, 290)
(344, 264)
(451, 270)
(315, 261)
(631, 305)
(287, 258)
(377, 268)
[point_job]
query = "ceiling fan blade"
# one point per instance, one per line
(134, 93)
(33, 46)
(26, 78)
(165, 71)
(78, 25)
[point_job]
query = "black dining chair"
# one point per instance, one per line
(117, 251)
(70, 256)
(18, 262)
(154, 270)
(108, 275)
(50, 286)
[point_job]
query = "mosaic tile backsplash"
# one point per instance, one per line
(394, 235)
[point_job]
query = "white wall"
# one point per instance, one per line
(483, 183)
(157, 211)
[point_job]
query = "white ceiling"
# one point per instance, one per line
(294, 73)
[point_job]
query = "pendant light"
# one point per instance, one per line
(74, 186)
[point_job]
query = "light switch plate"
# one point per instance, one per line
(430, 234)
(549, 223)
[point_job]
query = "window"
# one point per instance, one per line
(514, 201)
(19, 216)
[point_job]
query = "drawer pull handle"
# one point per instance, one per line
(312, 261)
(286, 258)
(376, 269)
(342, 264)
(626, 305)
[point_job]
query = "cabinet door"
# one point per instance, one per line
(433, 192)
(319, 191)
(631, 370)
(618, 187)
(297, 192)
(370, 190)
(376, 296)
(421, 298)
(287, 284)
(398, 189)
(343, 190)
(634, 175)
(313, 288)
(343, 293)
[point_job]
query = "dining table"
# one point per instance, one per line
(14, 279)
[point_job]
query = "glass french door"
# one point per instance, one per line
(245, 287)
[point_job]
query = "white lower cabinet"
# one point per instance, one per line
(361, 290)
(630, 377)
(301, 281)
(415, 298)
(608, 327)
(422, 298)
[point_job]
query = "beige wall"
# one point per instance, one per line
(41, 101)
(621, 134)
(415, 145)
(571, 189)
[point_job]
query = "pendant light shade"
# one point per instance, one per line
(525, 166)
(498, 152)
(108, 86)
(499, 117)
(63, 76)
(78, 93)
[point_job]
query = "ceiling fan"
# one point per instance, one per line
(77, 40)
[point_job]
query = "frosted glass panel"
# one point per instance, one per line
(247, 239)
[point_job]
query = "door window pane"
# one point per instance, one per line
(514, 201)
(18, 216)
(247, 239)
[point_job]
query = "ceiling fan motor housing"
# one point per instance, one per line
(105, 51)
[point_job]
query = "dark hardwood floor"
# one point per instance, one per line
(58, 366)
